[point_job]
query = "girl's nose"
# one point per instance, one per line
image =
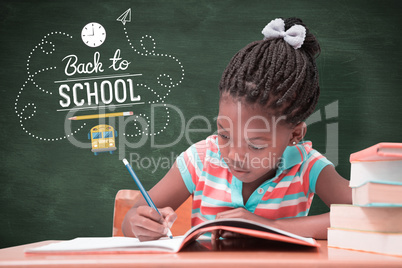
(236, 153)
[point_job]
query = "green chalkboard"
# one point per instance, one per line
(163, 61)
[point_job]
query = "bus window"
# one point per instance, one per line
(96, 135)
(108, 134)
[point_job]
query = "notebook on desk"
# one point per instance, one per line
(133, 245)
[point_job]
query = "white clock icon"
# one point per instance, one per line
(93, 34)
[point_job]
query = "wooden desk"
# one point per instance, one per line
(282, 255)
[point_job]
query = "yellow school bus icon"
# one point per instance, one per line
(103, 139)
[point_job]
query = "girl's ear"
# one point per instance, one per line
(298, 133)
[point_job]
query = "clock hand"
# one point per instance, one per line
(93, 32)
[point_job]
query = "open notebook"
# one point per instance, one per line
(133, 245)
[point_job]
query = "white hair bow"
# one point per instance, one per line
(294, 36)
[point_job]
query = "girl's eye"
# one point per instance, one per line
(255, 147)
(223, 136)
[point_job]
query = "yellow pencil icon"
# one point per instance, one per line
(96, 116)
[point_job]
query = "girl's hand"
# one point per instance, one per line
(147, 224)
(241, 213)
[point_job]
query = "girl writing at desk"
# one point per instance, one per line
(257, 167)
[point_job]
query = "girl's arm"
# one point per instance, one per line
(311, 226)
(332, 189)
(168, 194)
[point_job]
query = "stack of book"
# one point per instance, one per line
(374, 222)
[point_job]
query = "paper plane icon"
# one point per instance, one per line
(125, 17)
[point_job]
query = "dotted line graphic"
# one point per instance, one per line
(162, 77)
(25, 107)
(145, 131)
(31, 77)
(47, 47)
(146, 53)
(41, 46)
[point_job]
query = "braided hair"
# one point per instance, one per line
(275, 75)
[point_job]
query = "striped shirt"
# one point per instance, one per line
(215, 189)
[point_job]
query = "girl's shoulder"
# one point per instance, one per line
(210, 143)
(204, 149)
(301, 153)
(312, 158)
(306, 148)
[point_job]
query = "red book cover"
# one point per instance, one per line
(383, 151)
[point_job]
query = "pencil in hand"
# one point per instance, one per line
(143, 191)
